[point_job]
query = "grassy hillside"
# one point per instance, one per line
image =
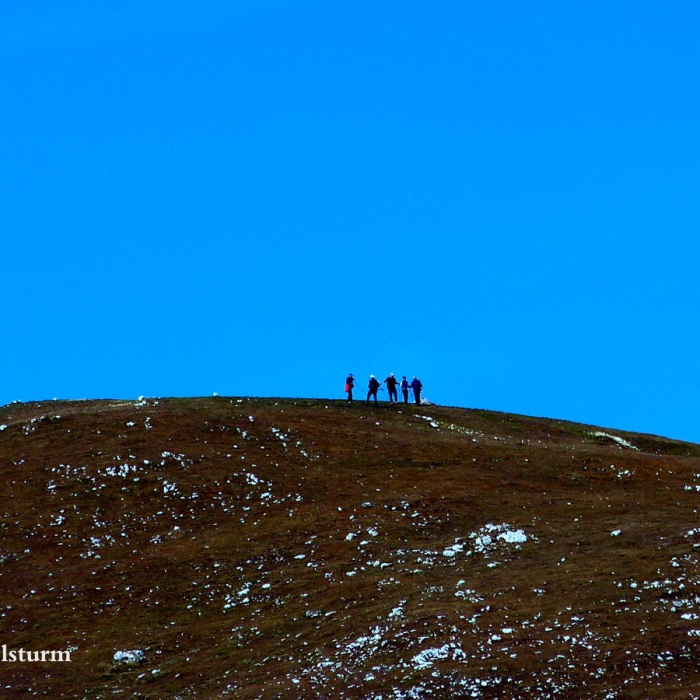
(269, 548)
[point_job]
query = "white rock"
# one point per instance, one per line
(134, 656)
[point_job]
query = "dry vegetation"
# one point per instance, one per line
(269, 548)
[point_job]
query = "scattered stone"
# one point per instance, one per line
(130, 658)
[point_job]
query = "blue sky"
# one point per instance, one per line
(256, 198)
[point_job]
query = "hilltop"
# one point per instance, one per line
(279, 548)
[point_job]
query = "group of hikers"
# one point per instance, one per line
(391, 384)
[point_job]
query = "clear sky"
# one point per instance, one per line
(256, 197)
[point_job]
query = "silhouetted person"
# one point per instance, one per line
(404, 389)
(349, 386)
(373, 388)
(391, 381)
(416, 386)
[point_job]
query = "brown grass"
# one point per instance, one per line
(305, 553)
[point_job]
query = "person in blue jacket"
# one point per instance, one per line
(373, 388)
(404, 389)
(417, 387)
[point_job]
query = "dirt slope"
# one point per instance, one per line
(269, 548)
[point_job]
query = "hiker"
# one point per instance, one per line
(416, 386)
(391, 381)
(404, 389)
(349, 385)
(373, 388)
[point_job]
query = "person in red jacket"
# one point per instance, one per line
(349, 386)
